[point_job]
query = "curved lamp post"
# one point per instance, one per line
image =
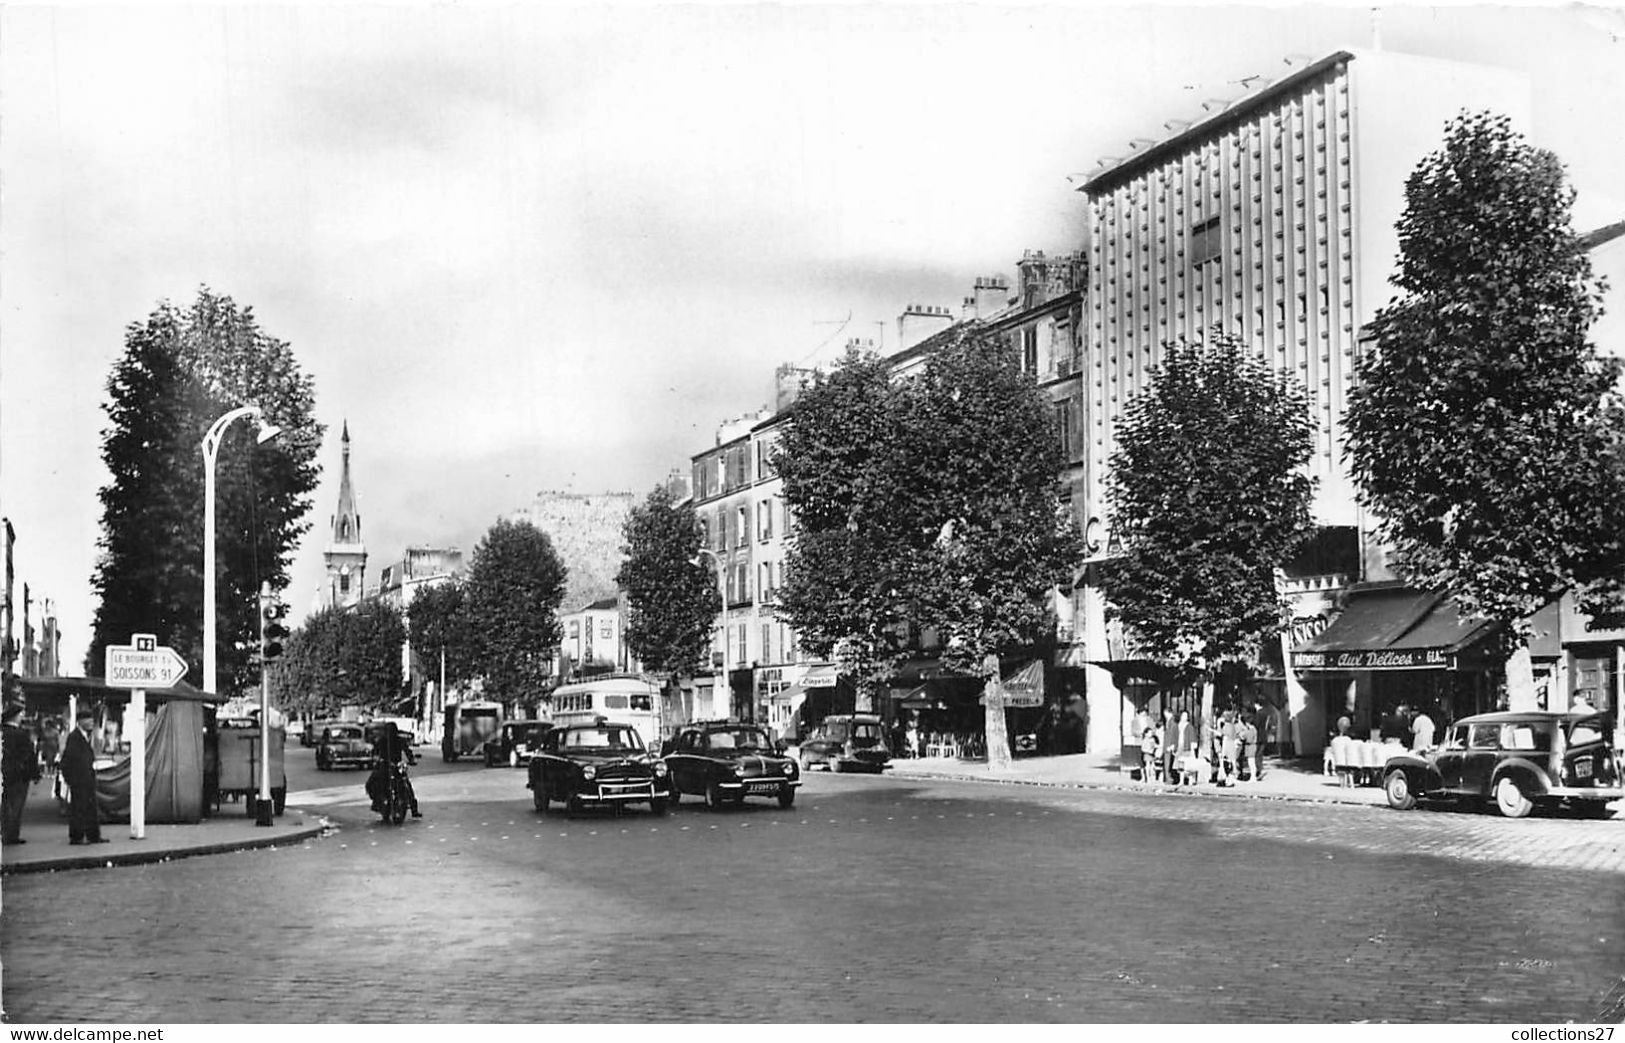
(211, 447)
(722, 589)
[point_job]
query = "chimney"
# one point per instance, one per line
(992, 294)
(920, 321)
(788, 382)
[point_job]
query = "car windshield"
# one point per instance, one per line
(1587, 731)
(740, 739)
(1530, 737)
(340, 734)
(865, 733)
(602, 739)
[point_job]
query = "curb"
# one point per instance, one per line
(131, 858)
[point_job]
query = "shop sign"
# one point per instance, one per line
(1373, 659)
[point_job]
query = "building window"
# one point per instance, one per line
(767, 642)
(1029, 350)
(764, 520)
(1204, 242)
(741, 526)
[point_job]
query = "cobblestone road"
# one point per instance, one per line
(871, 900)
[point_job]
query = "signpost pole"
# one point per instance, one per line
(135, 728)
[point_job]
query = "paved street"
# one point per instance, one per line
(871, 900)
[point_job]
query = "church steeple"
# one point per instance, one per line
(346, 554)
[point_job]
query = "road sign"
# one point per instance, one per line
(143, 663)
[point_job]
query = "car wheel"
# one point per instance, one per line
(1398, 789)
(538, 797)
(713, 797)
(572, 807)
(787, 797)
(835, 765)
(658, 805)
(675, 793)
(806, 764)
(1510, 799)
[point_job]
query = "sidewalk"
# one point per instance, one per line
(1283, 779)
(231, 829)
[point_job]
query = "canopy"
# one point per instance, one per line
(174, 769)
(1393, 627)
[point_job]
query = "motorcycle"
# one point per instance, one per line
(395, 797)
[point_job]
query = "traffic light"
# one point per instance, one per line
(273, 632)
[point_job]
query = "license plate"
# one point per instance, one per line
(1582, 768)
(764, 787)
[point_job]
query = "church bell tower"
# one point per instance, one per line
(346, 554)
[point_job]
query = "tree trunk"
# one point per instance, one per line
(998, 736)
(1520, 673)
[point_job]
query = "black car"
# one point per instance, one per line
(1519, 759)
(343, 745)
(725, 761)
(514, 743)
(597, 765)
(847, 742)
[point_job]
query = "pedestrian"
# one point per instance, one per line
(1264, 728)
(1208, 737)
(79, 771)
(1246, 749)
(1229, 748)
(1150, 751)
(19, 768)
(1182, 747)
(1421, 732)
(50, 744)
(1171, 750)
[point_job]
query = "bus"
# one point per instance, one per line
(468, 725)
(618, 698)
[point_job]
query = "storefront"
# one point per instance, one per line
(1391, 646)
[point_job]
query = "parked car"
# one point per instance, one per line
(847, 742)
(514, 743)
(343, 745)
(1519, 759)
(597, 765)
(729, 761)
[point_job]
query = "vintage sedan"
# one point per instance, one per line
(343, 746)
(514, 743)
(727, 761)
(597, 765)
(847, 742)
(1518, 759)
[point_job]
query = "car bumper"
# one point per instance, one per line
(338, 761)
(623, 793)
(758, 787)
(853, 764)
(1602, 793)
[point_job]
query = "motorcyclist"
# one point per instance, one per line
(389, 748)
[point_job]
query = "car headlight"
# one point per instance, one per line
(738, 770)
(789, 767)
(660, 767)
(589, 773)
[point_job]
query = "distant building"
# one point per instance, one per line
(346, 553)
(586, 530)
(593, 640)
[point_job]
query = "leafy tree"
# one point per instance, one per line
(514, 586)
(930, 504)
(343, 657)
(438, 621)
(672, 600)
(180, 371)
(1484, 432)
(1209, 493)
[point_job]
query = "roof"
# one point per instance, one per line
(98, 688)
(1237, 110)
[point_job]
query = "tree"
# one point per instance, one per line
(438, 622)
(514, 587)
(1484, 432)
(343, 657)
(931, 504)
(672, 599)
(180, 371)
(1209, 494)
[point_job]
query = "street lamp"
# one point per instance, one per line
(722, 589)
(211, 447)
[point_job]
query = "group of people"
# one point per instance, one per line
(21, 765)
(1223, 749)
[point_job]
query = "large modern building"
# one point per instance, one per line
(1271, 218)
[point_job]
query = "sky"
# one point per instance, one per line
(548, 247)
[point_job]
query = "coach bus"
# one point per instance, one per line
(618, 698)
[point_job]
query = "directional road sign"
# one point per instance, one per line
(143, 663)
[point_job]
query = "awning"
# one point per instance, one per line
(1392, 627)
(821, 676)
(95, 688)
(1025, 687)
(918, 698)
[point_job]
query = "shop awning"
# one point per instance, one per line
(821, 676)
(59, 688)
(1392, 627)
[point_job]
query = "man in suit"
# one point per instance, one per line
(20, 769)
(79, 771)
